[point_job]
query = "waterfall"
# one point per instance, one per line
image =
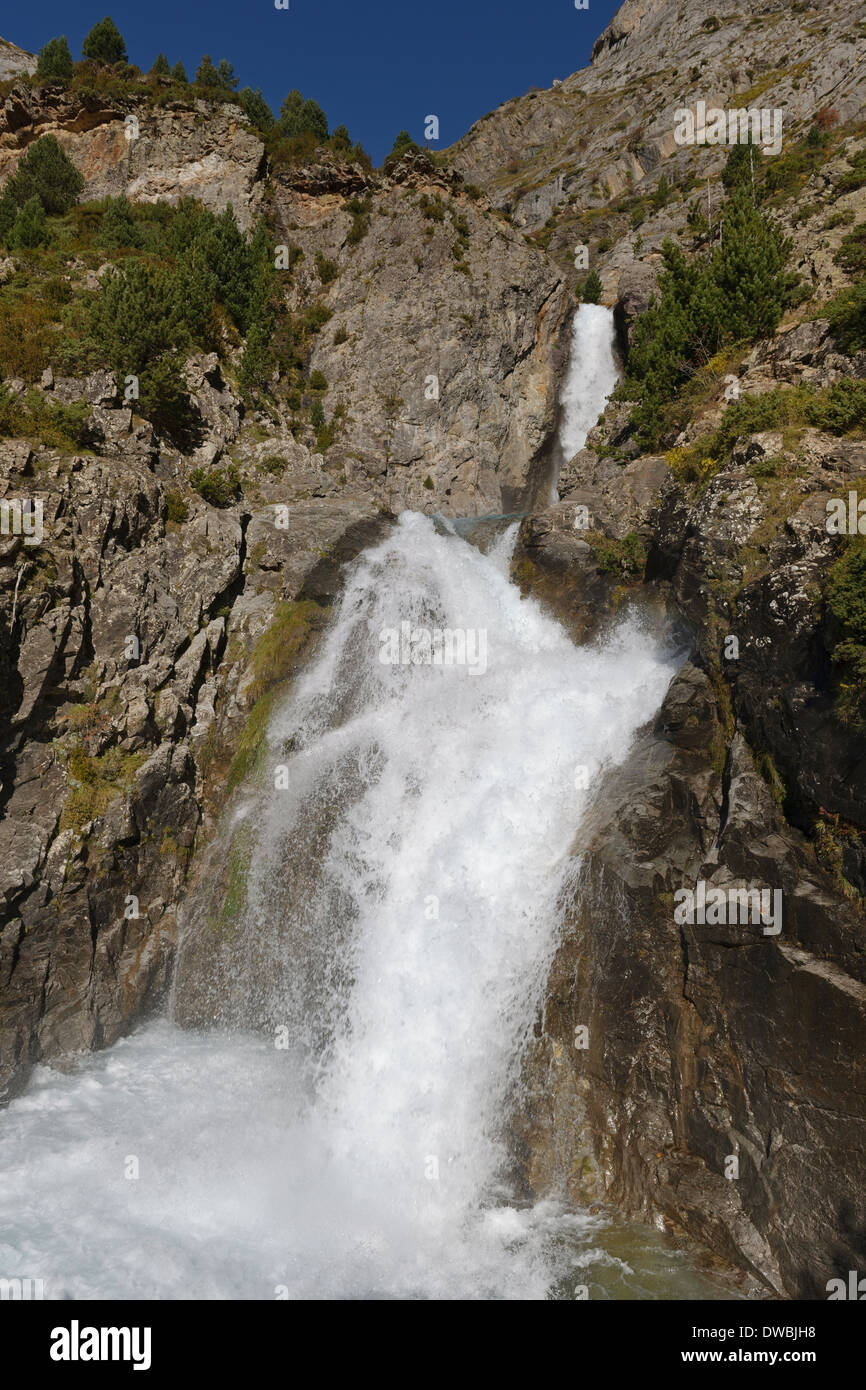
(592, 374)
(407, 854)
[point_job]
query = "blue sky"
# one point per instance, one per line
(374, 66)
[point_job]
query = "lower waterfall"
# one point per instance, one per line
(341, 1128)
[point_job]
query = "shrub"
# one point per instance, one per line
(847, 316)
(30, 227)
(55, 60)
(164, 400)
(176, 507)
(360, 209)
(318, 381)
(317, 414)
(852, 253)
(846, 603)
(856, 177)
(591, 292)
(46, 172)
(327, 270)
(118, 227)
(300, 117)
(104, 43)
(737, 295)
(254, 106)
(218, 486)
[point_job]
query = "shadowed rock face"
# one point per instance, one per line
(706, 1041)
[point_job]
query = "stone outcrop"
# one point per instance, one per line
(717, 1084)
(182, 150)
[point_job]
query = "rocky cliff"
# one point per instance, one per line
(436, 299)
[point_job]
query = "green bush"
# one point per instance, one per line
(256, 108)
(118, 227)
(847, 316)
(300, 117)
(846, 603)
(164, 400)
(738, 295)
(55, 60)
(327, 270)
(318, 381)
(852, 253)
(30, 227)
(104, 43)
(218, 486)
(176, 507)
(45, 172)
(317, 414)
(591, 292)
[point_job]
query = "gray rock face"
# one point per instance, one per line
(196, 150)
(127, 649)
(14, 60)
(608, 130)
(715, 1084)
(445, 360)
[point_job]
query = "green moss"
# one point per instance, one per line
(252, 742)
(846, 605)
(614, 556)
(767, 768)
(95, 783)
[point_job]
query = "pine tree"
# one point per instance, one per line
(403, 143)
(55, 60)
(748, 269)
(131, 318)
(8, 213)
(161, 66)
(297, 117)
(104, 43)
(592, 288)
(119, 227)
(30, 227)
(226, 76)
(178, 74)
(47, 173)
(256, 108)
(290, 113)
(206, 74)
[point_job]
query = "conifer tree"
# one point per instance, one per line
(46, 172)
(55, 60)
(30, 227)
(161, 66)
(591, 292)
(256, 108)
(104, 43)
(178, 73)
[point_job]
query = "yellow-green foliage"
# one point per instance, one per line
(95, 782)
(277, 648)
(272, 663)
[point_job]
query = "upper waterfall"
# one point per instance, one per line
(592, 374)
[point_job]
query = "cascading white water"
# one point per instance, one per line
(592, 374)
(436, 805)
